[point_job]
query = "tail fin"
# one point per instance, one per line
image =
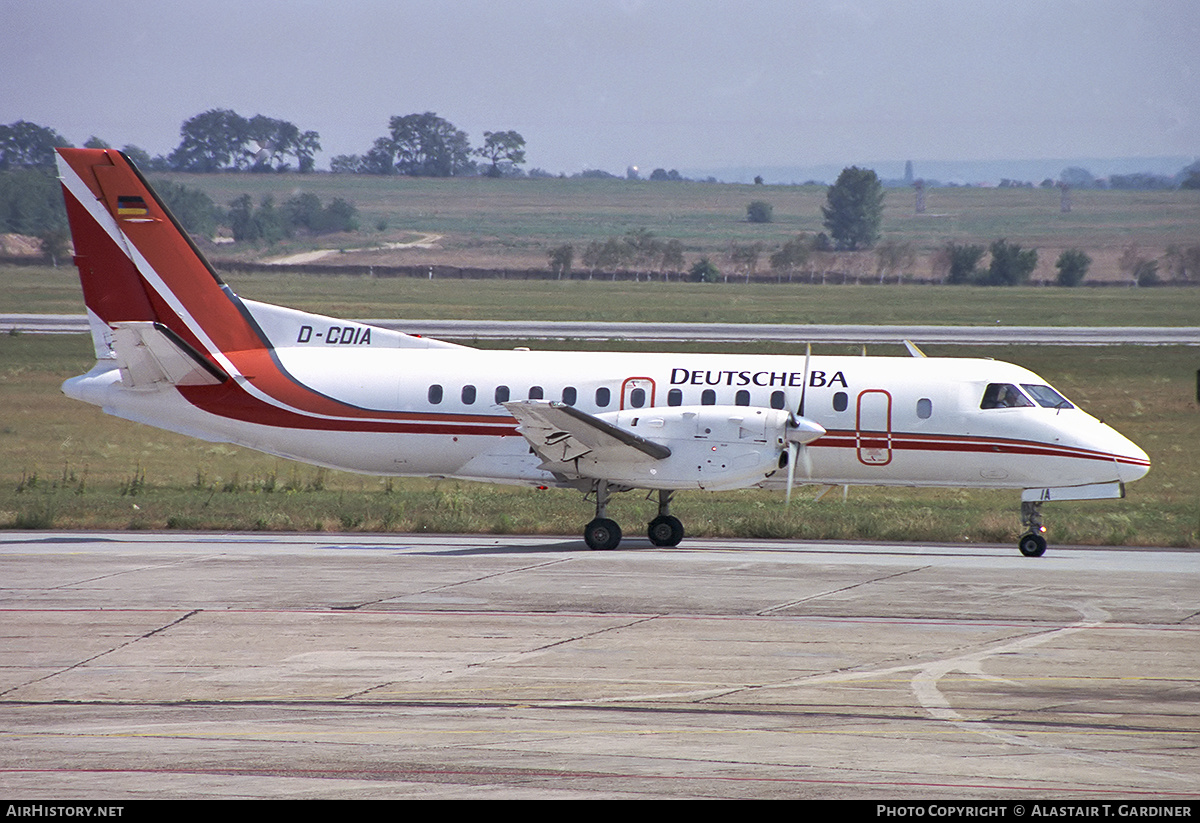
(137, 264)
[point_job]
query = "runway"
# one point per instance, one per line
(721, 332)
(168, 665)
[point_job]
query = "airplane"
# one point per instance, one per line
(176, 348)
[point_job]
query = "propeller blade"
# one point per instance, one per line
(793, 451)
(804, 385)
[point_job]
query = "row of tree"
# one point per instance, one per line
(302, 214)
(425, 145)
(221, 139)
(1010, 264)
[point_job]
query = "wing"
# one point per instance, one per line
(561, 434)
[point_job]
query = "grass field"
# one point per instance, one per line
(56, 291)
(498, 223)
(67, 465)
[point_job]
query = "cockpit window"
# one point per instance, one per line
(1003, 396)
(1047, 397)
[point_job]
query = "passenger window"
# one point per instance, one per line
(675, 397)
(637, 398)
(742, 398)
(502, 394)
(840, 401)
(435, 394)
(535, 393)
(1003, 396)
(468, 395)
(924, 408)
(569, 395)
(708, 398)
(777, 400)
(603, 397)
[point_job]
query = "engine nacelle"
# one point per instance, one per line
(712, 447)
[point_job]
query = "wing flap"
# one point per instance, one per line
(560, 434)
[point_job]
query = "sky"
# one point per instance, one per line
(612, 83)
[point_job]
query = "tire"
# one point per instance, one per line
(602, 535)
(665, 531)
(1032, 545)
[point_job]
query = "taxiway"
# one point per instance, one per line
(140, 665)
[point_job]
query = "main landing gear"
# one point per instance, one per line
(665, 530)
(1032, 544)
(603, 534)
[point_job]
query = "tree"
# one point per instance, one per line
(703, 271)
(138, 156)
(560, 260)
(644, 249)
(221, 139)
(241, 219)
(194, 209)
(211, 141)
(425, 145)
(854, 209)
(1142, 270)
(793, 255)
(305, 213)
(759, 212)
(506, 150)
(56, 244)
(672, 256)
(1183, 262)
(1072, 267)
(1077, 177)
(339, 216)
(31, 202)
(956, 263)
(346, 164)
(894, 256)
(745, 257)
(610, 254)
(28, 145)
(1011, 265)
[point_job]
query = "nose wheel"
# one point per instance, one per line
(1032, 544)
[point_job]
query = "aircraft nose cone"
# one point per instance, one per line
(1132, 462)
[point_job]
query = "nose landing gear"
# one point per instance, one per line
(1032, 544)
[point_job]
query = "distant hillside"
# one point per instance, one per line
(960, 172)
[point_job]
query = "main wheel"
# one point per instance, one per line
(1032, 545)
(602, 534)
(666, 531)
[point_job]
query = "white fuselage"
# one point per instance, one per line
(889, 420)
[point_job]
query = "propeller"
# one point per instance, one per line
(800, 432)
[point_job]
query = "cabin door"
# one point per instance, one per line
(873, 427)
(637, 393)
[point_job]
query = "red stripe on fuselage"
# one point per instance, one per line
(231, 401)
(958, 443)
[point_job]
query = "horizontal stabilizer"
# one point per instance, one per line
(560, 433)
(150, 355)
